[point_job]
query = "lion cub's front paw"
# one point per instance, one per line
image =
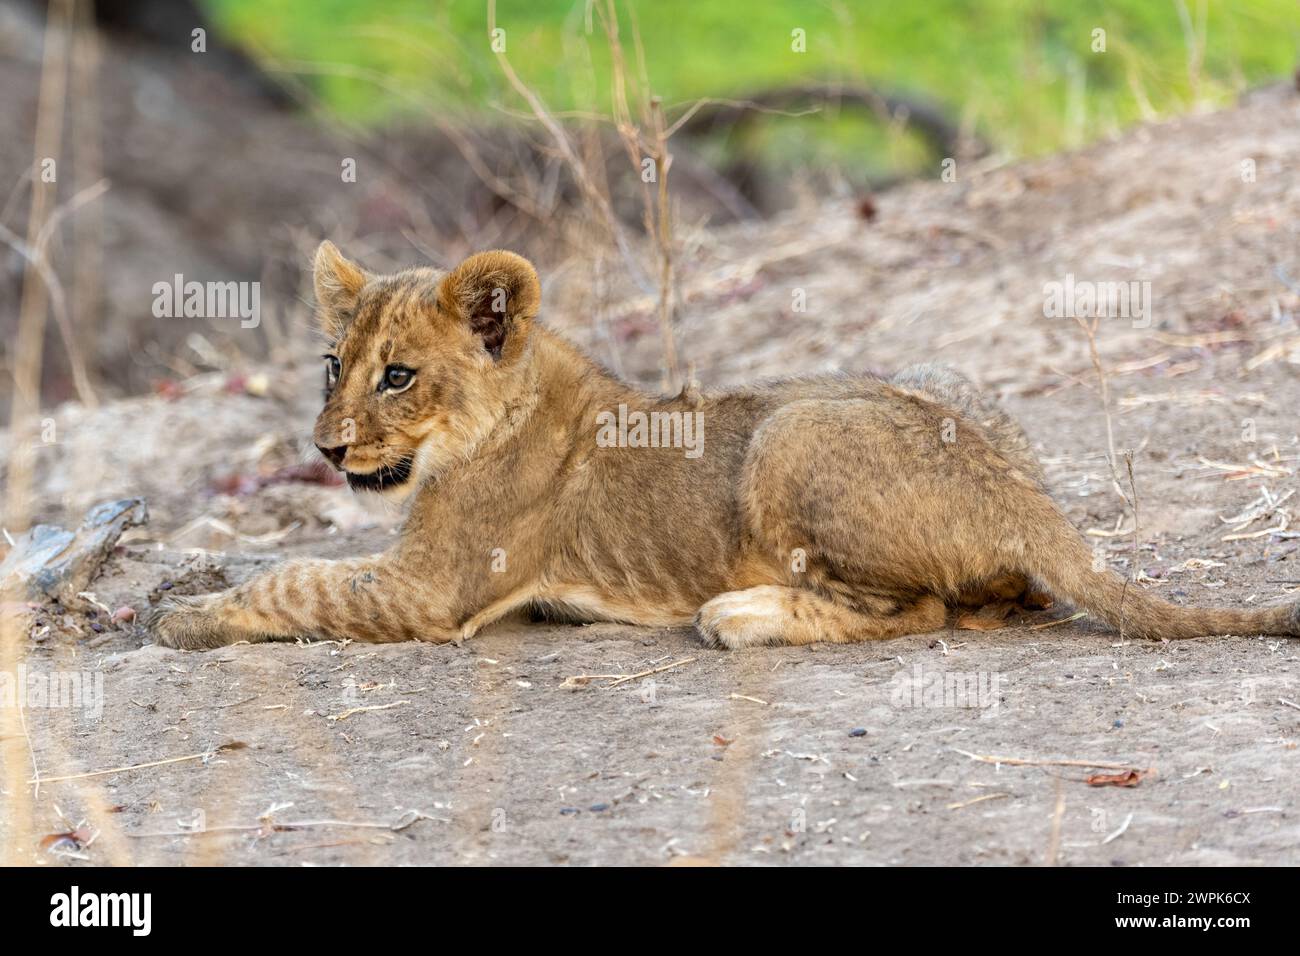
(188, 623)
(749, 618)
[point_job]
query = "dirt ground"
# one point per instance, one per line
(491, 753)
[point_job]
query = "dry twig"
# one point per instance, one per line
(204, 755)
(1031, 762)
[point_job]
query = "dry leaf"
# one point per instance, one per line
(72, 840)
(1125, 778)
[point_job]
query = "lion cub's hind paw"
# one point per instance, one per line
(754, 617)
(990, 617)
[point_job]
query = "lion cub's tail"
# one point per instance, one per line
(1061, 561)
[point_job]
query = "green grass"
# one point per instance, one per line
(1022, 70)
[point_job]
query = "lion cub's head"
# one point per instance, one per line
(418, 369)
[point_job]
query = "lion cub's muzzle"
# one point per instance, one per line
(382, 478)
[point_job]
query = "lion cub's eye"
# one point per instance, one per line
(396, 378)
(332, 369)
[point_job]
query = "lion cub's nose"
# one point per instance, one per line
(334, 455)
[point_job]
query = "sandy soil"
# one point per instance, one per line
(488, 753)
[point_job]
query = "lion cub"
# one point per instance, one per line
(834, 509)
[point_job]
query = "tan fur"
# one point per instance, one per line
(823, 509)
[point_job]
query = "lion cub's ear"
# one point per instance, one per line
(497, 295)
(338, 284)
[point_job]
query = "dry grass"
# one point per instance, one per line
(26, 403)
(638, 117)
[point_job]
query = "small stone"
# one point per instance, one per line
(568, 811)
(858, 732)
(599, 807)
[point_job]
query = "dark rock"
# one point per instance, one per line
(53, 564)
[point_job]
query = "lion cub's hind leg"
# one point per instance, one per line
(772, 614)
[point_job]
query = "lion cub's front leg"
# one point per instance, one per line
(365, 600)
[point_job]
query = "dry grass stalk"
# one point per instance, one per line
(657, 208)
(1255, 468)
(37, 257)
(269, 825)
(564, 145)
(582, 680)
(364, 710)
(653, 670)
(664, 243)
(1133, 570)
(1064, 620)
(203, 755)
(28, 356)
(88, 167)
(1103, 381)
(1031, 762)
(1116, 834)
(970, 803)
(588, 172)
(1194, 37)
(1130, 499)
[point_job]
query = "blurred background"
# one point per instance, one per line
(221, 139)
